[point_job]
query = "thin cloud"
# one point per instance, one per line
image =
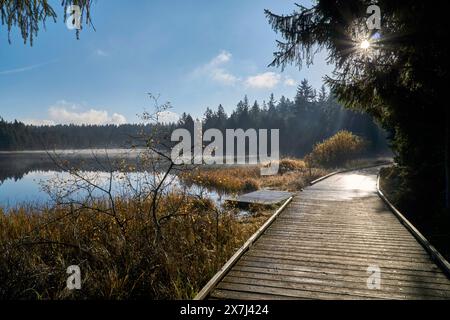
(290, 82)
(221, 58)
(216, 71)
(24, 69)
(101, 53)
(224, 77)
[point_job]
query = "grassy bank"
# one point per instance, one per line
(293, 175)
(119, 257)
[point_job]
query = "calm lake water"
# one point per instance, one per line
(26, 189)
(24, 175)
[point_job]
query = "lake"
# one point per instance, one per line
(24, 174)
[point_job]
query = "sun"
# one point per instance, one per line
(365, 44)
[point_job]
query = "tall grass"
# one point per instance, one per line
(225, 179)
(37, 246)
(291, 164)
(293, 175)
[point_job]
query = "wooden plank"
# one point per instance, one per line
(238, 295)
(331, 275)
(419, 276)
(297, 230)
(344, 245)
(381, 254)
(337, 224)
(313, 289)
(335, 284)
(337, 237)
(340, 259)
(264, 197)
(286, 292)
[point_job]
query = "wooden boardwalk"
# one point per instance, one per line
(322, 244)
(265, 197)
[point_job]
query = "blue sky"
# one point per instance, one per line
(195, 54)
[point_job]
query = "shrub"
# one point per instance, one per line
(289, 164)
(250, 184)
(336, 150)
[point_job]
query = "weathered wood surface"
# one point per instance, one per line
(265, 197)
(321, 246)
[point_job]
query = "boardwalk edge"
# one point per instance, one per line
(232, 261)
(432, 251)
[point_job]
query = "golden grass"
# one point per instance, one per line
(225, 179)
(291, 164)
(292, 181)
(293, 175)
(36, 247)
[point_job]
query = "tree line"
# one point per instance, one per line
(308, 118)
(19, 136)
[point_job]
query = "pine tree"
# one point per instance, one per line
(222, 117)
(305, 92)
(209, 118)
(255, 115)
(322, 97)
(28, 16)
(399, 79)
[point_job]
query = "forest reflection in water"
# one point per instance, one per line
(24, 176)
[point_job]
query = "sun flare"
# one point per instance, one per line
(365, 44)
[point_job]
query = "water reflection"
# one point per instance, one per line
(15, 165)
(25, 176)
